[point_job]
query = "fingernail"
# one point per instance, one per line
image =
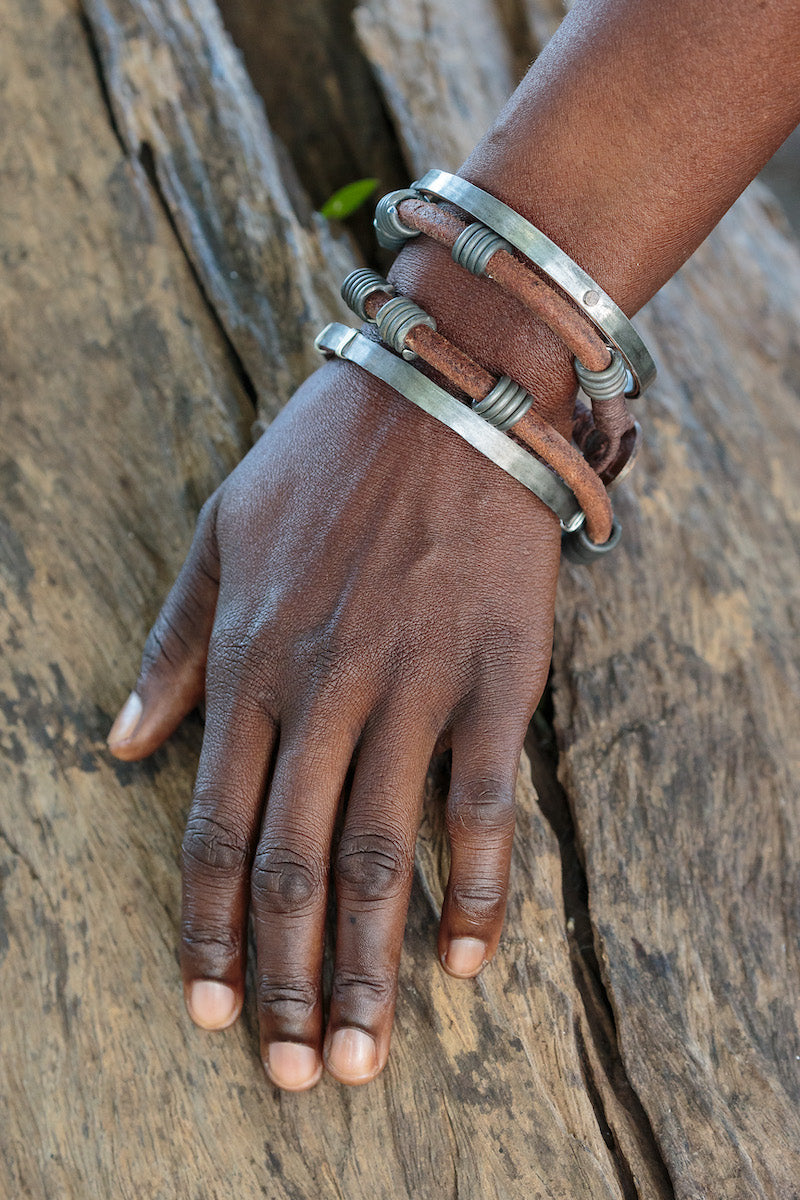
(353, 1054)
(211, 1004)
(292, 1066)
(465, 956)
(126, 721)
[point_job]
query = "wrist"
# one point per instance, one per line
(491, 326)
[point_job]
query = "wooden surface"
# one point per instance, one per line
(637, 1035)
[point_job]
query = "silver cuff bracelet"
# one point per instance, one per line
(599, 308)
(349, 344)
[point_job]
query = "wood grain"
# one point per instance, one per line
(677, 685)
(637, 1033)
(181, 101)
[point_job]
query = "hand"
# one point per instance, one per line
(363, 584)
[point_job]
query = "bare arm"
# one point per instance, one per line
(632, 134)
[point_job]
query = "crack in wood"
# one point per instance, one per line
(147, 161)
(102, 83)
(144, 157)
(542, 751)
(21, 857)
(624, 1174)
(309, 68)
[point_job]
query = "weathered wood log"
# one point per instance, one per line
(321, 96)
(677, 711)
(163, 277)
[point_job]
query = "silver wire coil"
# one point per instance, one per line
(589, 297)
(359, 285)
(605, 384)
(390, 231)
(421, 391)
(505, 404)
(396, 319)
(474, 247)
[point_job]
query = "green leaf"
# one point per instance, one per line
(348, 198)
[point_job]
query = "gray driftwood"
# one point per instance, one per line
(162, 278)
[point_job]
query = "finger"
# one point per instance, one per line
(218, 845)
(289, 885)
(171, 679)
(374, 873)
(480, 823)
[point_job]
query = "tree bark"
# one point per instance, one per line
(163, 277)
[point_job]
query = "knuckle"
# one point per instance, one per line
(215, 948)
(282, 882)
(479, 903)
(210, 844)
(164, 643)
(372, 866)
(287, 998)
(484, 808)
(351, 990)
(326, 658)
(236, 659)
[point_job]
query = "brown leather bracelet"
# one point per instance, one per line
(581, 338)
(456, 366)
(612, 418)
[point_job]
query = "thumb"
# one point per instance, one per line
(172, 676)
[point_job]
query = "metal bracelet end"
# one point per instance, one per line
(390, 231)
(320, 340)
(334, 339)
(579, 548)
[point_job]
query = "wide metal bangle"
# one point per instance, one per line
(351, 345)
(590, 298)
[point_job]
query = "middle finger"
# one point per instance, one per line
(374, 872)
(289, 894)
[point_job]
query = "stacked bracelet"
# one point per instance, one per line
(599, 309)
(611, 361)
(502, 402)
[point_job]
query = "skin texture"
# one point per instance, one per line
(365, 585)
(347, 634)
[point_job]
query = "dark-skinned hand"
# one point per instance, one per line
(361, 586)
(365, 584)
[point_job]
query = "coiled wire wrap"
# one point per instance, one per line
(359, 285)
(474, 247)
(604, 385)
(390, 231)
(396, 319)
(505, 404)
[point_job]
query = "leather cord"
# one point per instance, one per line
(532, 431)
(611, 418)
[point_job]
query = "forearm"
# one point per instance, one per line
(639, 126)
(631, 135)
